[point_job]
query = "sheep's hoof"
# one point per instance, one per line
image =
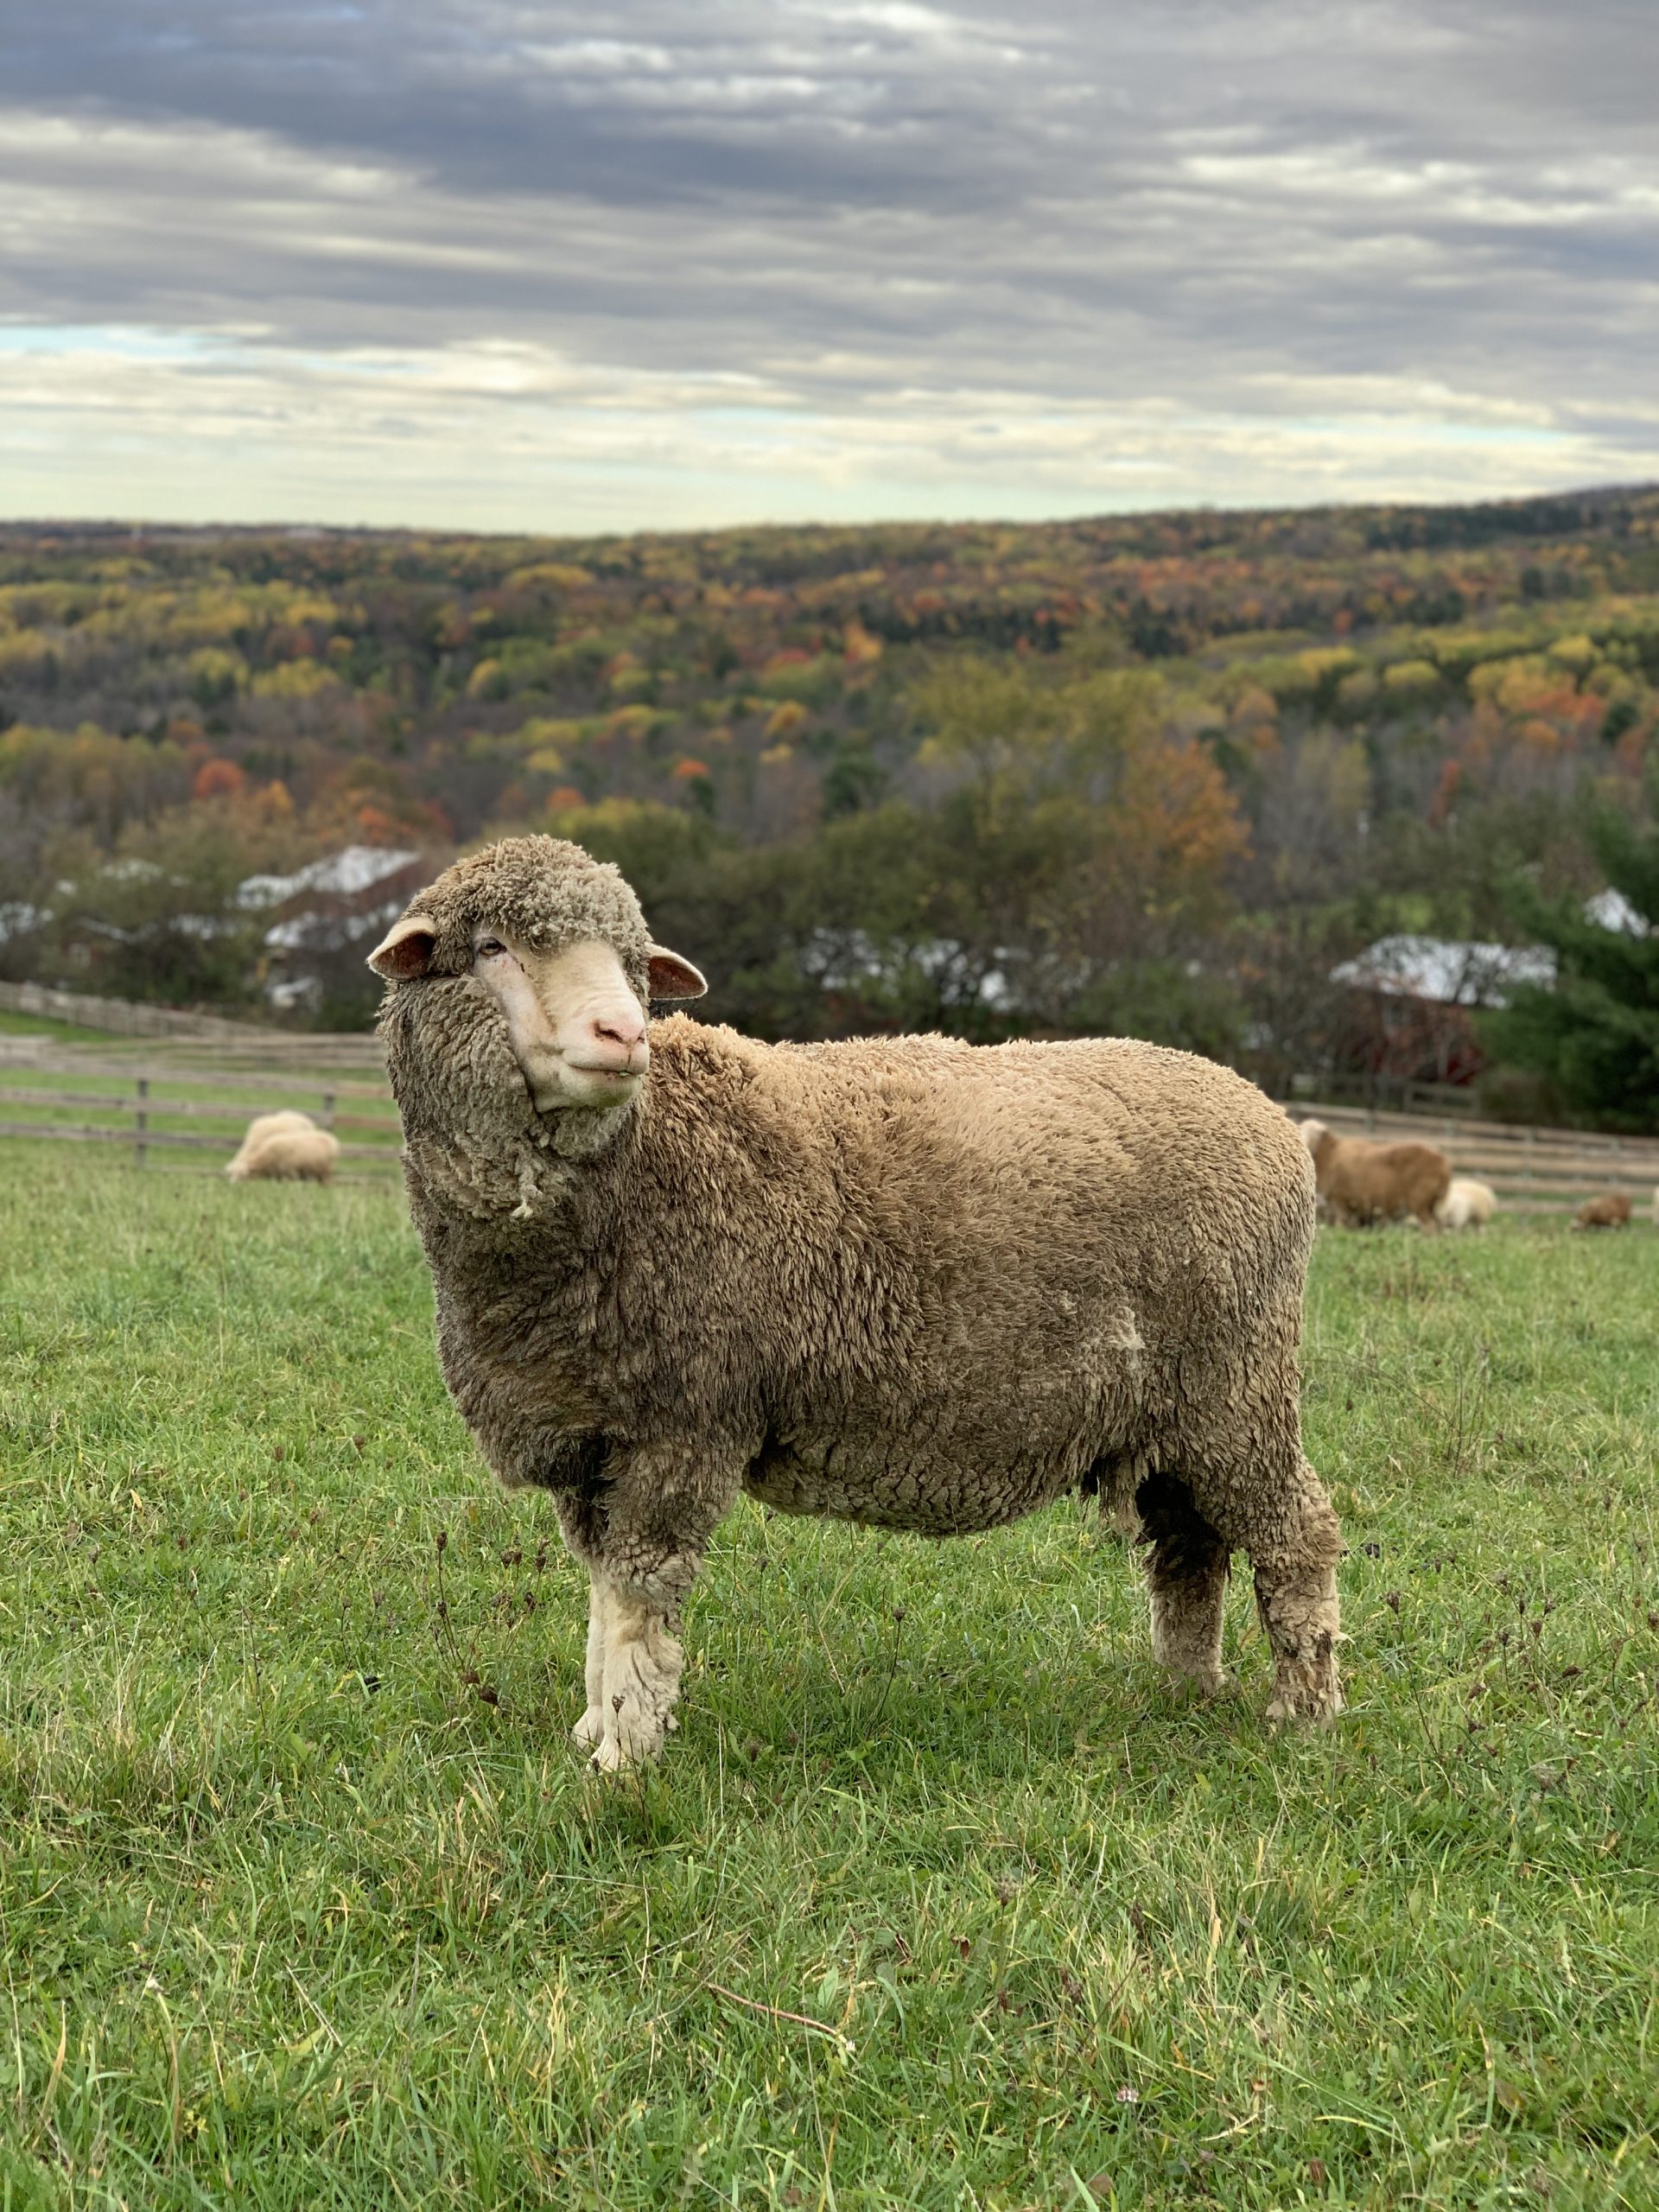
(614, 1757)
(1190, 1689)
(590, 1729)
(1305, 1707)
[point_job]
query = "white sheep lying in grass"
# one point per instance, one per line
(1468, 1204)
(285, 1147)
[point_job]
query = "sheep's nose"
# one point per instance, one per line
(626, 1030)
(615, 1040)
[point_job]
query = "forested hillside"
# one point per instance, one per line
(1155, 773)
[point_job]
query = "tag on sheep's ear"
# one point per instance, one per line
(672, 977)
(406, 949)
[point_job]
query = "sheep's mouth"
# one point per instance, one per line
(571, 1087)
(604, 1069)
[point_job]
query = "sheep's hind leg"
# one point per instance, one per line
(1296, 1596)
(1186, 1582)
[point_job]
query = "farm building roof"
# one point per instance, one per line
(1445, 971)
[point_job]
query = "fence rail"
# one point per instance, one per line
(1533, 1171)
(122, 1017)
(142, 1139)
(1460, 1129)
(130, 1116)
(185, 1109)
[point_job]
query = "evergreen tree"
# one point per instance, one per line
(1595, 1034)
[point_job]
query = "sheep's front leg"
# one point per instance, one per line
(1296, 1595)
(640, 1682)
(642, 1535)
(1300, 1612)
(590, 1729)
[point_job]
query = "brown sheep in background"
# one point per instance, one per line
(910, 1282)
(1361, 1182)
(1610, 1211)
(285, 1147)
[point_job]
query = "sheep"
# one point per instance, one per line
(1610, 1211)
(1468, 1204)
(1361, 1182)
(909, 1283)
(285, 1147)
(296, 1156)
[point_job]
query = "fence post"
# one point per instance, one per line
(141, 1123)
(327, 1109)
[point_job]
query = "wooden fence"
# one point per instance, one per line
(1533, 1171)
(137, 1117)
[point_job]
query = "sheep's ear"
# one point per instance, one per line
(406, 949)
(672, 977)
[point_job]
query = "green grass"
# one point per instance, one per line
(292, 1915)
(40, 1024)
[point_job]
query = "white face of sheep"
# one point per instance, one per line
(576, 1029)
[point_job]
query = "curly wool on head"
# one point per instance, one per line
(544, 891)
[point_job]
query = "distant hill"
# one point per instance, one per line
(1126, 765)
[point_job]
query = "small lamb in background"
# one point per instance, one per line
(905, 1282)
(285, 1147)
(1468, 1204)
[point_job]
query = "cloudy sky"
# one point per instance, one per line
(517, 264)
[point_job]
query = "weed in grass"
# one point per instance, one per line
(938, 1899)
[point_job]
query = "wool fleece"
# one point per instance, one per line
(911, 1282)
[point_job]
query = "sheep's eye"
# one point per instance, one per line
(487, 947)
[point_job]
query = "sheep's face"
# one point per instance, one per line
(557, 941)
(576, 1029)
(573, 1020)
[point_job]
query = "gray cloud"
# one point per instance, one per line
(855, 253)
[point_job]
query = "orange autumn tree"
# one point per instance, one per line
(219, 778)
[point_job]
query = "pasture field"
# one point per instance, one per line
(939, 1900)
(60, 1033)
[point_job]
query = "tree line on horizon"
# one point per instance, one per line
(1156, 774)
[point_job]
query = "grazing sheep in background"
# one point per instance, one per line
(261, 1126)
(286, 1147)
(1610, 1211)
(1361, 1182)
(1468, 1204)
(910, 1282)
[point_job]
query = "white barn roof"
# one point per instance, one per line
(1445, 971)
